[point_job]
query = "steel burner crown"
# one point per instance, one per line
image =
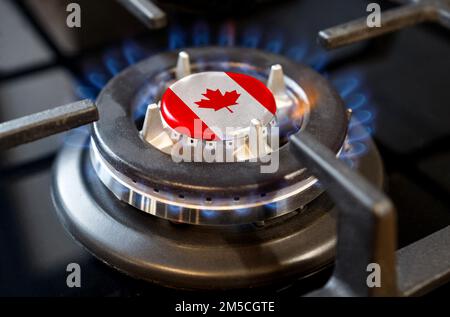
(217, 105)
(141, 173)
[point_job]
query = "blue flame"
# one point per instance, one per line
(358, 150)
(242, 211)
(361, 116)
(175, 210)
(298, 52)
(132, 52)
(140, 111)
(85, 92)
(302, 53)
(97, 79)
(362, 123)
(143, 101)
(271, 206)
(356, 101)
(251, 37)
(177, 38)
(201, 36)
(274, 43)
(227, 34)
(319, 61)
(113, 63)
(72, 138)
(208, 213)
(350, 86)
(360, 134)
(346, 85)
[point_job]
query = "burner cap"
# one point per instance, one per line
(217, 105)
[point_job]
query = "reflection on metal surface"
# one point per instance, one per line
(278, 251)
(417, 11)
(146, 11)
(198, 210)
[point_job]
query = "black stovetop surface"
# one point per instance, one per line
(404, 78)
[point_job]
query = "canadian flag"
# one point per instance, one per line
(223, 102)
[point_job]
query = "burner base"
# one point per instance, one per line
(189, 256)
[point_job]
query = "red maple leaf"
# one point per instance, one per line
(216, 100)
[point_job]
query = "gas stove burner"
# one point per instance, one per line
(242, 227)
(142, 175)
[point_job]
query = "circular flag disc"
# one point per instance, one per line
(216, 105)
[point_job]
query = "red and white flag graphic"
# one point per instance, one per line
(224, 103)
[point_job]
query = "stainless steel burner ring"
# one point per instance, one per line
(209, 193)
